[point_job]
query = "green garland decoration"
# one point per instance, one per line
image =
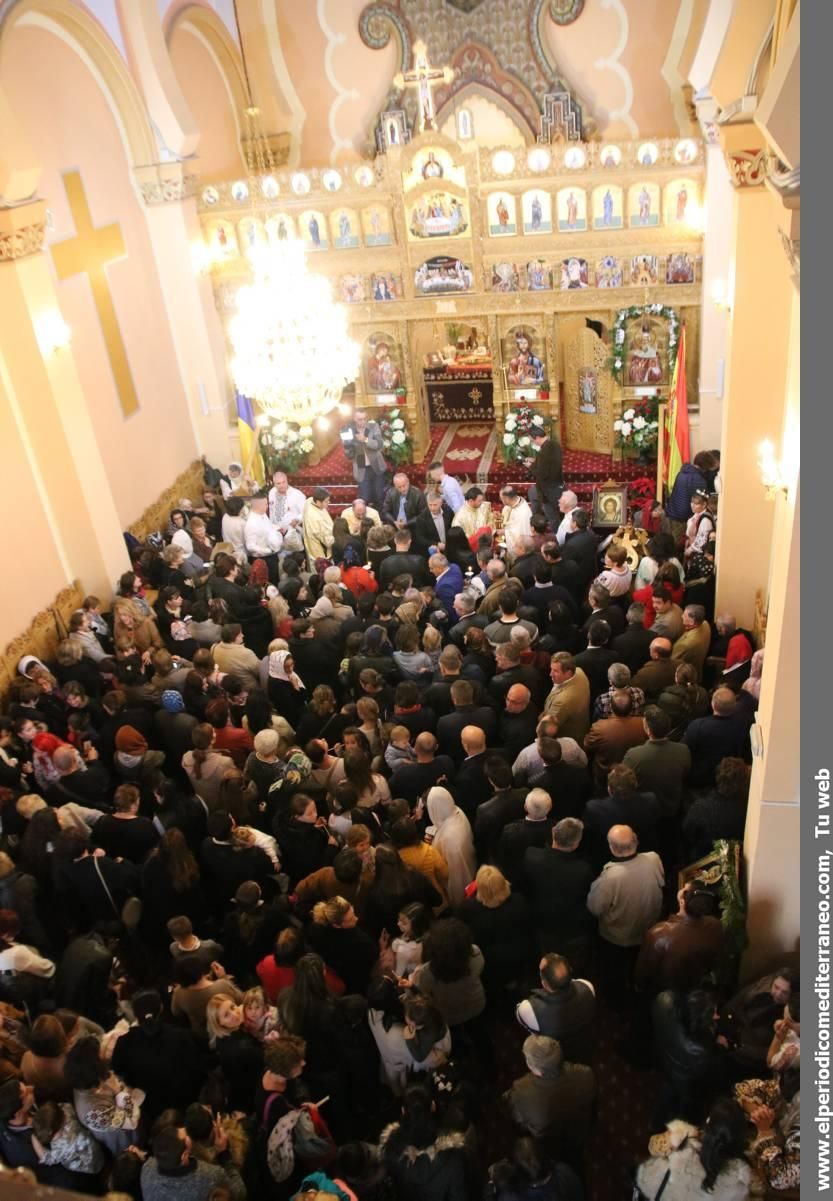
(618, 348)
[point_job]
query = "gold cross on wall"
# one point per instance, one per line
(88, 253)
(423, 76)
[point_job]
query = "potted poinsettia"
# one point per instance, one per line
(520, 426)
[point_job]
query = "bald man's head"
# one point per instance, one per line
(473, 740)
(425, 745)
(517, 698)
(622, 841)
(661, 648)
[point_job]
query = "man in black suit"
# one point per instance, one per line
(582, 547)
(518, 723)
(403, 503)
(548, 472)
(511, 671)
(411, 780)
(466, 713)
(624, 805)
(472, 787)
(403, 561)
(564, 573)
(558, 880)
(432, 525)
(567, 785)
(437, 696)
(528, 562)
(504, 806)
(598, 657)
(465, 603)
(533, 830)
(633, 648)
(316, 658)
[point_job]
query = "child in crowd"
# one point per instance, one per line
(413, 922)
(399, 749)
(260, 1019)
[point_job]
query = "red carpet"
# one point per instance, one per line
(469, 451)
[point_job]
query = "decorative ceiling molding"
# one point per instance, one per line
(522, 69)
(747, 168)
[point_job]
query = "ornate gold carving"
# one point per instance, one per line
(747, 168)
(588, 431)
(43, 634)
(166, 190)
(156, 516)
(19, 243)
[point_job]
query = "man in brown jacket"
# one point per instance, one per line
(680, 951)
(659, 672)
(693, 644)
(554, 1096)
(569, 700)
(611, 738)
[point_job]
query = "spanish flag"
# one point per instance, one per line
(677, 442)
(247, 430)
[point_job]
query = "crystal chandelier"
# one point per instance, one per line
(292, 350)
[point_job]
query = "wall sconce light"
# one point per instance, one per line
(720, 295)
(52, 333)
(773, 476)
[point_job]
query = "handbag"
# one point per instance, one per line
(131, 911)
(638, 1195)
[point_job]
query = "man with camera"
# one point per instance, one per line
(362, 442)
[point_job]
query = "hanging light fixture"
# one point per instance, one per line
(292, 351)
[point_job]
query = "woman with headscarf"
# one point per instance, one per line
(192, 566)
(286, 688)
(454, 841)
(43, 748)
(236, 482)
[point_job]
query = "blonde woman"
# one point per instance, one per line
(239, 1052)
(336, 936)
(500, 924)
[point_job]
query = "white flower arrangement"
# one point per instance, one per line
(520, 428)
(396, 441)
(637, 427)
(398, 437)
(287, 447)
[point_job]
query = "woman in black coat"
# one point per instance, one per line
(694, 1065)
(171, 886)
(501, 926)
(395, 886)
(425, 1162)
(306, 844)
(336, 936)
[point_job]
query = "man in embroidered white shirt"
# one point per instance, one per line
(566, 504)
(261, 538)
(286, 504)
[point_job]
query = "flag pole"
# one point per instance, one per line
(660, 451)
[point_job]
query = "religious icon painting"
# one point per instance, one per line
(386, 286)
(376, 226)
(239, 190)
(538, 276)
(685, 151)
(505, 277)
(210, 195)
(524, 368)
(432, 168)
(588, 391)
(313, 226)
(610, 506)
(611, 156)
(647, 154)
(680, 202)
(643, 205)
(574, 274)
(223, 239)
(443, 274)
(280, 228)
(381, 364)
(353, 288)
(644, 339)
(608, 207)
(465, 125)
(536, 212)
(571, 208)
(538, 159)
(344, 229)
(575, 158)
(392, 130)
(644, 270)
(364, 176)
(609, 273)
(437, 215)
(270, 187)
(252, 235)
(332, 180)
(680, 269)
(500, 212)
(300, 183)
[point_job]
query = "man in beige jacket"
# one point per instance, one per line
(569, 700)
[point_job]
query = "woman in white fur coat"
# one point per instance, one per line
(691, 1165)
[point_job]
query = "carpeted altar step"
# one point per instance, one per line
(470, 451)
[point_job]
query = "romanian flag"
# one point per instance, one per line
(677, 442)
(247, 430)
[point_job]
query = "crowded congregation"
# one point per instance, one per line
(343, 852)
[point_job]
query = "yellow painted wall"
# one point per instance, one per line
(68, 120)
